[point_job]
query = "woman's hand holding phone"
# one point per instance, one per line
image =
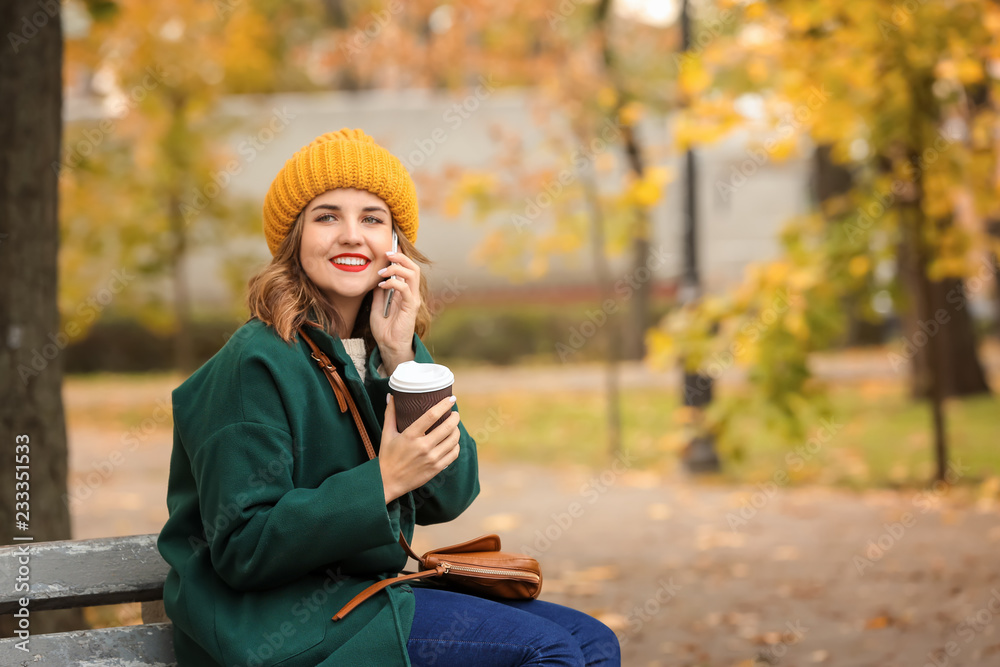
(394, 334)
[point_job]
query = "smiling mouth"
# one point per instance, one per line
(352, 264)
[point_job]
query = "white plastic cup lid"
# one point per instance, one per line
(413, 377)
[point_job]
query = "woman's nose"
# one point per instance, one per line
(350, 233)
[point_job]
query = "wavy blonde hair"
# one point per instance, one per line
(282, 295)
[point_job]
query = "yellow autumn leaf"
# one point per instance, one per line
(645, 193)
(538, 266)
(877, 623)
(990, 488)
(685, 415)
(757, 70)
(661, 348)
(969, 71)
(630, 114)
(607, 98)
(775, 273)
(453, 206)
(946, 69)
(991, 19)
(755, 10)
(859, 266)
(748, 352)
(693, 78)
(799, 19)
(784, 149)
(796, 325)
(659, 175)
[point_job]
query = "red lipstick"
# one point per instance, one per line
(353, 268)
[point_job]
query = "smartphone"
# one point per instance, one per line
(388, 299)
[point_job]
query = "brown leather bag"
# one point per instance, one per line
(477, 566)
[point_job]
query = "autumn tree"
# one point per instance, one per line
(146, 180)
(886, 88)
(589, 186)
(34, 428)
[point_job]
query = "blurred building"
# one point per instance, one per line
(744, 195)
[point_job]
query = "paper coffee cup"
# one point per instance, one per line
(416, 388)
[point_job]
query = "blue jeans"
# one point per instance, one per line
(454, 629)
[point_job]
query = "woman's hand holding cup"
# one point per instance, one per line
(410, 459)
(420, 437)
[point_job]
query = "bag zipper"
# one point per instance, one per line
(489, 571)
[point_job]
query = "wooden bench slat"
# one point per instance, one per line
(129, 646)
(82, 573)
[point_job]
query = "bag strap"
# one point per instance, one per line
(344, 398)
(346, 402)
(385, 583)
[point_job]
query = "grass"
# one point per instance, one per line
(882, 438)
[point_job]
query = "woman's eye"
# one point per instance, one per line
(326, 217)
(371, 219)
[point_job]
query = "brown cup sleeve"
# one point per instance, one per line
(409, 407)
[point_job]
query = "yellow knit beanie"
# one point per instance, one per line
(343, 159)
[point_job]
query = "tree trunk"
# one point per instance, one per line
(33, 341)
(612, 327)
(634, 335)
(993, 227)
(931, 381)
(947, 320)
(638, 320)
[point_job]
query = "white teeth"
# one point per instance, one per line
(350, 261)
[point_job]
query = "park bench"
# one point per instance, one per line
(84, 573)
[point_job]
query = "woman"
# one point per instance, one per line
(277, 517)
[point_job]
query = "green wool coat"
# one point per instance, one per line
(278, 518)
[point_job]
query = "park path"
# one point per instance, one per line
(688, 573)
